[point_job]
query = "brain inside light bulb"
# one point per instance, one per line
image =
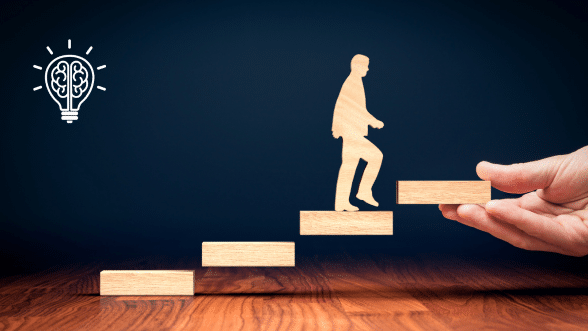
(69, 80)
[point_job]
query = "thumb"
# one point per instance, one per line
(521, 177)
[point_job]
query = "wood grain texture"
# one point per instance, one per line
(248, 254)
(442, 192)
(345, 223)
(321, 293)
(147, 282)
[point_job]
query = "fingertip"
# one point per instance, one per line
(484, 169)
(465, 210)
(494, 207)
(444, 207)
(448, 212)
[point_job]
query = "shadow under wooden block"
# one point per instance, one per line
(345, 223)
(248, 254)
(442, 192)
(147, 282)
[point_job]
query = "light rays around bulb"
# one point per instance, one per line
(101, 88)
(50, 51)
(89, 50)
(101, 67)
(69, 44)
(38, 87)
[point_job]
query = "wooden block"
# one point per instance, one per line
(442, 192)
(147, 282)
(345, 223)
(247, 254)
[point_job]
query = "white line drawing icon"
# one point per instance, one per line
(69, 79)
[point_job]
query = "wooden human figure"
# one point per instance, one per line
(350, 121)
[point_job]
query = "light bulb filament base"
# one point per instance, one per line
(69, 116)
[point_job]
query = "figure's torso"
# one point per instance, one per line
(349, 118)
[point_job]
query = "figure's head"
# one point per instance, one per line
(359, 65)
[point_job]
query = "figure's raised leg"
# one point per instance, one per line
(345, 179)
(373, 156)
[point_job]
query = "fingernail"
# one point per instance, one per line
(492, 205)
(463, 210)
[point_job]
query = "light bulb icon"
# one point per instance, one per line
(69, 79)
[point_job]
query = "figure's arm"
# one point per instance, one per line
(372, 121)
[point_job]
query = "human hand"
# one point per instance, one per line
(552, 218)
(377, 124)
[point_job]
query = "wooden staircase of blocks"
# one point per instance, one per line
(282, 254)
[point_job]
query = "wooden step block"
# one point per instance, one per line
(147, 282)
(345, 223)
(247, 254)
(442, 192)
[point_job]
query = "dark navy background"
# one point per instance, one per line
(215, 123)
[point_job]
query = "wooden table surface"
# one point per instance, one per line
(331, 293)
